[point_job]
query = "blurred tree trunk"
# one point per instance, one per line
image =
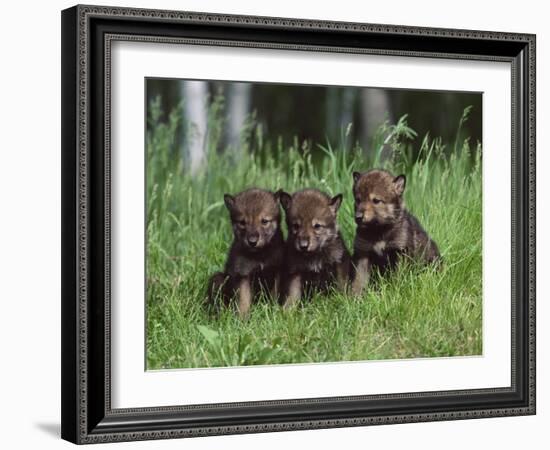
(194, 95)
(375, 109)
(347, 107)
(238, 109)
(331, 115)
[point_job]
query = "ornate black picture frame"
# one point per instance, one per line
(87, 34)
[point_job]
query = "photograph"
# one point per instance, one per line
(277, 223)
(299, 224)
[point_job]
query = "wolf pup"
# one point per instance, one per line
(316, 255)
(257, 251)
(385, 229)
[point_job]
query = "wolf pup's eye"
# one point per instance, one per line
(295, 227)
(376, 201)
(241, 223)
(317, 226)
(265, 221)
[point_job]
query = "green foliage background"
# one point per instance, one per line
(417, 312)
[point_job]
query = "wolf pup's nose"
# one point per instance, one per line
(304, 245)
(252, 240)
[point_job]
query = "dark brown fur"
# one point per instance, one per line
(256, 254)
(385, 229)
(315, 255)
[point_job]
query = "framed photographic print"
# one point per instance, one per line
(279, 224)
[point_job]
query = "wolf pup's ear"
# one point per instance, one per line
(229, 201)
(285, 199)
(356, 176)
(399, 183)
(335, 203)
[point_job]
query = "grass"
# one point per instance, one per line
(417, 312)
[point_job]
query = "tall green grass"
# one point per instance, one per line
(416, 312)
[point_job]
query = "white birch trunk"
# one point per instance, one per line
(375, 108)
(238, 108)
(194, 94)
